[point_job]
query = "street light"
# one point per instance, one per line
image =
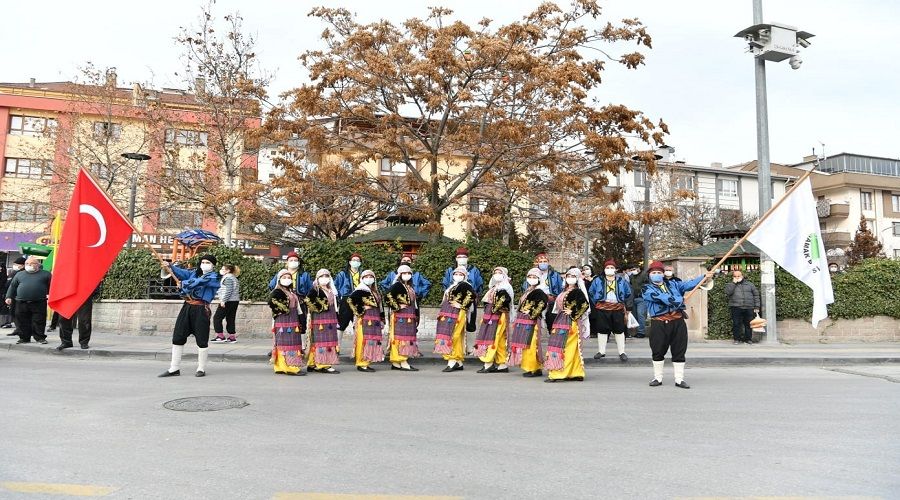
(658, 155)
(768, 42)
(138, 157)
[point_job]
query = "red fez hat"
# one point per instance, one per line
(358, 256)
(292, 254)
(610, 262)
(657, 266)
(462, 251)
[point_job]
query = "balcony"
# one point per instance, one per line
(826, 208)
(836, 239)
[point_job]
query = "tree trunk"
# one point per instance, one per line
(228, 222)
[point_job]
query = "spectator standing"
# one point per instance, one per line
(637, 281)
(743, 299)
(82, 320)
(229, 298)
(17, 266)
(28, 291)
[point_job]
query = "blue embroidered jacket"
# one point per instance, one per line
(661, 301)
(197, 287)
(597, 291)
(474, 279)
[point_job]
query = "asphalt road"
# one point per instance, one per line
(98, 427)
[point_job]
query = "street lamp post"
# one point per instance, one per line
(768, 42)
(137, 157)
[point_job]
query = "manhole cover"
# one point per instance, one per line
(205, 403)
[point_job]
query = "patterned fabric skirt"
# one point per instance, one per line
(405, 332)
(556, 343)
(323, 337)
(488, 331)
(523, 331)
(372, 333)
(287, 355)
(447, 321)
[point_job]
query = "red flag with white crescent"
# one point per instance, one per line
(92, 236)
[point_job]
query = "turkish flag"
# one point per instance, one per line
(92, 236)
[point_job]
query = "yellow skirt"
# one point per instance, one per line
(498, 353)
(573, 364)
(458, 340)
(531, 360)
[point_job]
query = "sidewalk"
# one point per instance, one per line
(710, 353)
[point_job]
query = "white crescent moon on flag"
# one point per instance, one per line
(101, 223)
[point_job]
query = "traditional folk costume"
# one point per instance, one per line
(611, 295)
(365, 303)
(450, 337)
(323, 325)
(302, 284)
(402, 298)
(563, 358)
(665, 303)
(198, 289)
(490, 343)
(346, 282)
(550, 282)
(524, 341)
(473, 277)
(287, 332)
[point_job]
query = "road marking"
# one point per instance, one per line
(864, 374)
(780, 498)
(75, 490)
(341, 496)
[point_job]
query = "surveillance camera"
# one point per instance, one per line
(803, 42)
(795, 62)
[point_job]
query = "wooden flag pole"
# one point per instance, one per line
(752, 228)
(140, 233)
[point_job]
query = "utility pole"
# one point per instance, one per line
(138, 158)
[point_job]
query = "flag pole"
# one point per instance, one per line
(752, 228)
(140, 233)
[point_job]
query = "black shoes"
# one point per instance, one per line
(328, 370)
(85, 346)
(623, 357)
(599, 356)
(60, 347)
(20, 341)
(640, 336)
(167, 373)
(682, 384)
(655, 383)
(577, 379)
(536, 373)
(455, 368)
(41, 341)
(410, 369)
(365, 369)
(200, 373)
(12, 334)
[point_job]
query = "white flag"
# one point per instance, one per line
(791, 237)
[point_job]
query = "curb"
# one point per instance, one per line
(431, 360)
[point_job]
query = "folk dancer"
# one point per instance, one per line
(665, 302)
(402, 298)
(524, 341)
(612, 300)
(563, 359)
(450, 336)
(490, 343)
(323, 324)
(198, 289)
(365, 303)
(287, 353)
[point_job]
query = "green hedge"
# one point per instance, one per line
(129, 275)
(868, 289)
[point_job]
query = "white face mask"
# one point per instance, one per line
(30, 268)
(533, 281)
(609, 271)
(406, 276)
(463, 261)
(457, 278)
(324, 280)
(293, 264)
(571, 280)
(669, 274)
(286, 282)
(738, 280)
(206, 267)
(368, 281)
(355, 264)
(497, 279)
(17, 267)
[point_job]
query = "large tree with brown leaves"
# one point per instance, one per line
(463, 107)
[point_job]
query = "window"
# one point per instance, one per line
(895, 203)
(728, 188)
(897, 229)
(684, 182)
(186, 137)
(31, 125)
(25, 168)
(183, 176)
(822, 226)
(865, 199)
(390, 167)
(180, 219)
(477, 205)
(24, 211)
(104, 130)
(103, 171)
(897, 253)
(640, 177)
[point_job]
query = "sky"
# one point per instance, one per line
(697, 77)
